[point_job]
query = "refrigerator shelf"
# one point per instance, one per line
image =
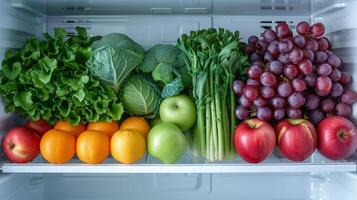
(274, 164)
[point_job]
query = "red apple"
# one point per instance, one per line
(337, 137)
(40, 126)
(21, 145)
(296, 138)
(254, 140)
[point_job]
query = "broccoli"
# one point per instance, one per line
(166, 65)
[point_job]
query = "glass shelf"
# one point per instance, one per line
(188, 164)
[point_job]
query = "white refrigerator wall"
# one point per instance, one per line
(20, 21)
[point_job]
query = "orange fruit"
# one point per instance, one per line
(92, 147)
(128, 146)
(58, 146)
(106, 127)
(75, 130)
(138, 123)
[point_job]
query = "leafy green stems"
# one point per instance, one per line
(214, 58)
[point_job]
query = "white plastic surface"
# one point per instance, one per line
(274, 164)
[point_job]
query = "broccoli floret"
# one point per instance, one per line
(166, 64)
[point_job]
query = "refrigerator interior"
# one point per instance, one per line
(161, 21)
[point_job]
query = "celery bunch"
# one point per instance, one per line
(214, 59)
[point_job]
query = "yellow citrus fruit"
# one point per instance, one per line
(138, 123)
(128, 146)
(92, 147)
(65, 126)
(106, 127)
(58, 146)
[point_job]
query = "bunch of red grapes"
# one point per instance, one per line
(293, 76)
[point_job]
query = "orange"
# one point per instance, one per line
(106, 127)
(128, 146)
(138, 123)
(92, 147)
(57, 146)
(75, 130)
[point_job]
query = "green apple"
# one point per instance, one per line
(166, 142)
(179, 110)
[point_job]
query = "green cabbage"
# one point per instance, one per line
(140, 96)
(115, 56)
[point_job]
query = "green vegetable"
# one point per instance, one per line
(214, 59)
(49, 80)
(167, 67)
(115, 56)
(140, 96)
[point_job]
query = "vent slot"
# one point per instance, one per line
(266, 8)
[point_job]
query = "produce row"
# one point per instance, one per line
(99, 93)
(94, 142)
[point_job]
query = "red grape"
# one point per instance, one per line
(249, 48)
(260, 102)
(283, 58)
(312, 45)
(278, 102)
(303, 28)
(299, 85)
(343, 109)
(327, 105)
(268, 57)
(299, 41)
(264, 113)
(260, 47)
(324, 69)
(316, 116)
(267, 92)
(238, 87)
(306, 67)
(255, 57)
(324, 44)
(321, 93)
(276, 67)
(345, 78)
(294, 113)
(253, 39)
(268, 79)
(334, 60)
(293, 74)
(269, 35)
(279, 114)
(296, 100)
(320, 57)
(311, 80)
(336, 90)
(283, 30)
(312, 102)
(349, 97)
(245, 102)
(323, 83)
(253, 82)
(335, 75)
(242, 112)
(251, 92)
(285, 46)
(254, 72)
(284, 89)
(273, 48)
(290, 71)
(317, 30)
(296, 55)
(308, 54)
